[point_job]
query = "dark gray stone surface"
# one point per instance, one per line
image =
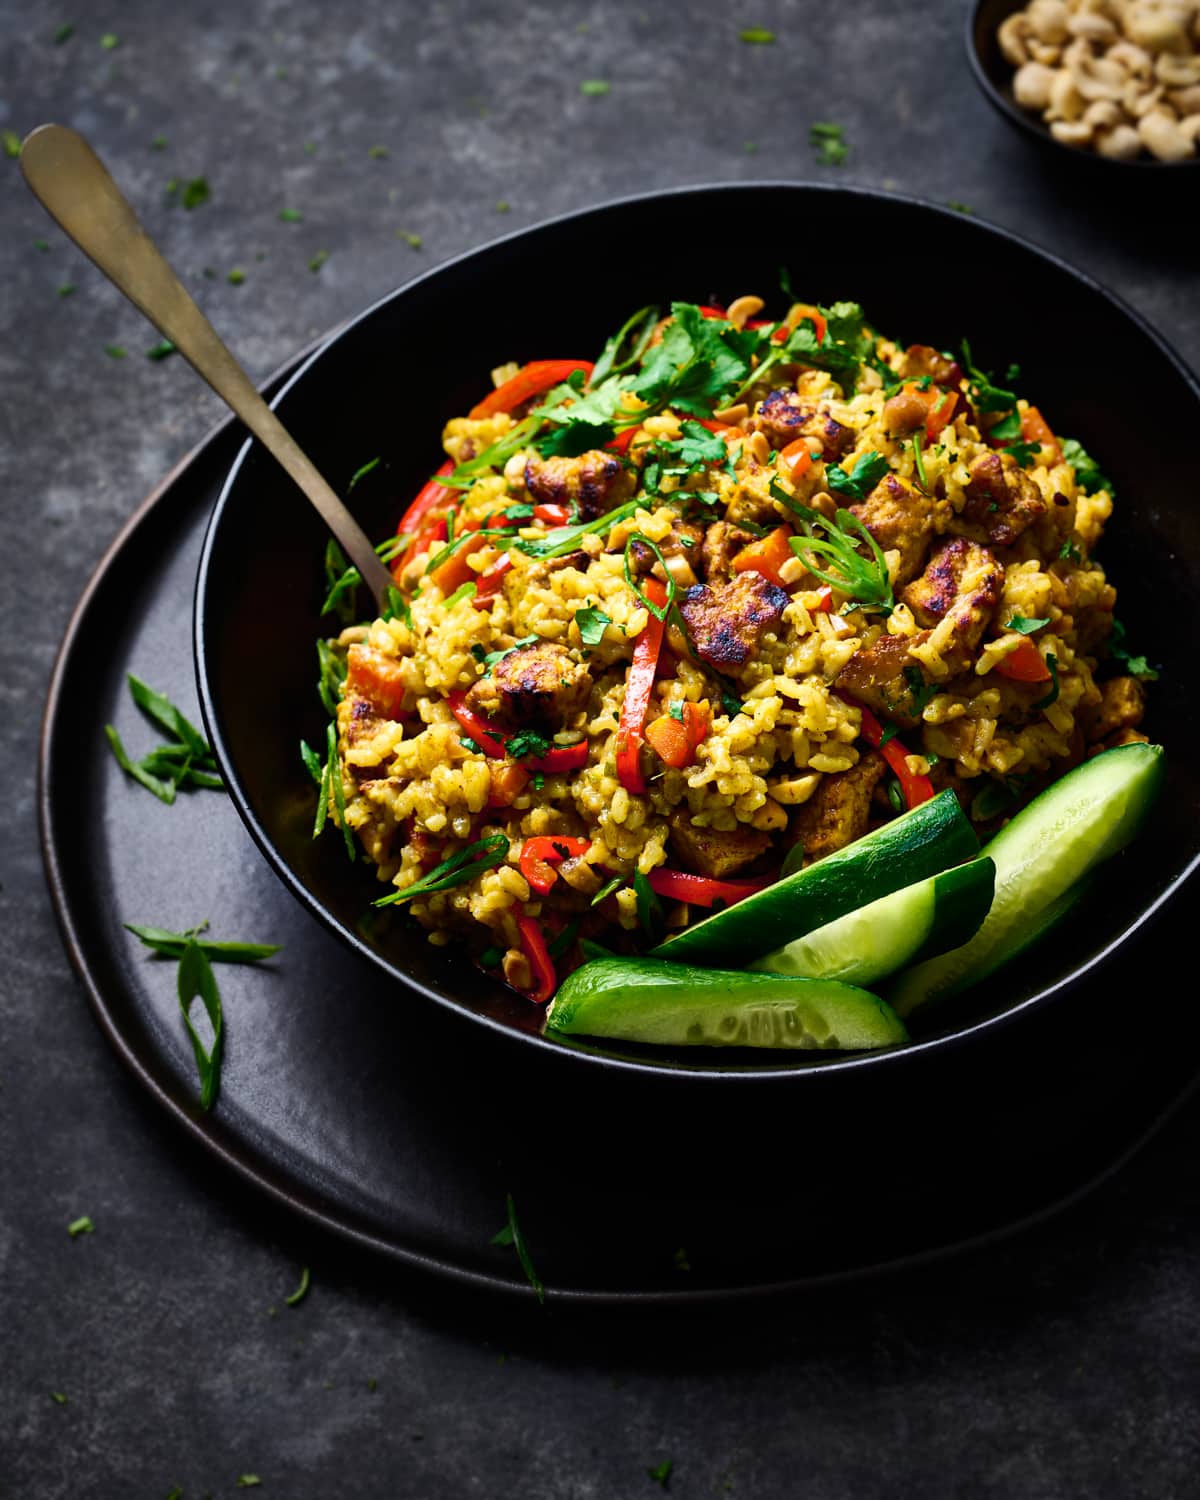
(1063, 1364)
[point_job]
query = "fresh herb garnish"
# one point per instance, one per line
(332, 674)
(1136, 666)
(921, 690)
(1024, 625)
(864, 579)
(116, 351)
(236, 276)
(1069, 551)
(1007, 428)
(649, 907)
(607, 889)
(895, 795)
(488, 659)
(248, 1481)
(958, 207)
(361, 473)
(1052, 695)
(301, 1291)
(291, 216)
(63, 33)
(528, 743)
(482, 855)
(511, 1235)
(110, 40)
(1087, 472)
(592, 623)
(1024, 453)
(756, 36)
(627, 345)
(59, 1398)
(491, 958)
(463, 591)
(339, 790)
(594, 87)
(196, 981)
(866, 474)
(318, 260)
(661, 1473)
(829, 143)
(918, 460)
(187, 762)
(158, 351)
(659, 611)
(172, 945)
(82, 1225)
(987, 397)
(563, 941)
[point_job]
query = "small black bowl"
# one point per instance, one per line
(994, 75)
(385, 385)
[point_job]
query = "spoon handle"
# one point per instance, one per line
(75, 188)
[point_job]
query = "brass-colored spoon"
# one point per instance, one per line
(74, 186)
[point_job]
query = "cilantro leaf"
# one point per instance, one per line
(1025, 626)
(528, 742)
(988, 397)
(1007, 428)
(1087, 472)
(1022, 452)
(1052, 695)
(1136, 666)
(865, 475)
(592, 623)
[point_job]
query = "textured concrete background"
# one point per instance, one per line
(1062, 1365)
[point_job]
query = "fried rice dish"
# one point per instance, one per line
(699, 613)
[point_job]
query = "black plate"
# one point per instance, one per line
(387, 384)
(402, 1127)
(994, 75)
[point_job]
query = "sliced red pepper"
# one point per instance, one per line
(807, 310)
(490, 582)
(781, 334)
(712, 312)
(638, 687)
(540, 853)
(767, 555)
(620, 444)
(1035, 429)
(489, 739)
(722, 429)
(551, 515)
(916, 789)
(533, 945)
(700, 890)
(436, 531)
(1025, 664)
(534, 379)
(560, 758)
(430, 494)
(675, 741)
(826, 605)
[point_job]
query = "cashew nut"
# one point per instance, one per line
(1092, 27)
(1066, 102)
(1156, 30)
(1190, 125)
(1044, 52)
(1139, 100)
(1162, 136)
(1011, 36)
(1185, 101)
(1122, 143)
(1031, 85)
(1048, 20)
(1099, 78)
(1103, 114)
(742, 308)
(1071, 132)
(1175, 71)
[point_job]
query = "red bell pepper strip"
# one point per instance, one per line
(430, 494)
(490, 582)
(916, 789)
(559, 758)
(638, 687)
(713, 312)
(675, 741)
(534, 379)
(533, 945)
(1035, 429)
(826, 605)
(781, 334)
(722, 429)
(490, 740)
(552, 515)
(767, 555)
(1025, 664)
(437, 531)
(456, 570)
(620, 444)
(538, 853)
(700, 890)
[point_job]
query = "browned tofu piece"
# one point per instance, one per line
(882, 677)
(903, 413)
(1122, 704)
(1001, 499)
(962, 581)
(839, 811)
(536, 686)
(923, 359)
(900, 516)
(712, 852)
(783, 416)
(722, 543)
(726, 623)
(595, 481)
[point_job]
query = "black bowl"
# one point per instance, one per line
(385, 385)
(994, 75)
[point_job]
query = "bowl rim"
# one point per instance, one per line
(1032, 127)
(822, 1066)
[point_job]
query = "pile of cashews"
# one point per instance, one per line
(1118, 77)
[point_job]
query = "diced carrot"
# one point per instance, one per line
(1035, 429)
(551, 515)
(797, 458)
(941, 410)
(509, 780)
(669, 740)
(377, 678)
(456, 570)
(767, 555)
(1025, 664)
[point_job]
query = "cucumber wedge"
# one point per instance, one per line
(1077, 822)
(921, 842)
(911, 924)
(643, 1000)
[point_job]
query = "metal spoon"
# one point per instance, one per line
(74, 187)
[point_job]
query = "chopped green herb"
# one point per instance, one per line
(511, 1234)
(368, 468)
(895, 795)
(332, 674)
(960, 208)
(469, 745)
(1069, 551)
(1025, 626)
(12, 143)
(1136, 666)
(1087, 473)
(115, 351)
(866, 474)
(659, 611)
(538, 780)
(676, 709)
(491, 958)
(1052, 695)
(756, 36)
(291, 216)
(607, 889)
(41, 245)
(159, 143)
(918, 461)
(1024, 453)
(413, 240)
(301, 1291)
(196, 981)
(110, 40)
(310, 148)
(503, 206)
(463, 591)
(67, 289)
(661, 1473)
(921, 690)
(1007, 428)
(196, 192)
(236, 276)
(172, 945)
(248, 1481)
(161, 350)
(59, 1397)
(592, 624)
(649, 907)
(339, 790)
(482, 855)
(987, 397)
(528, 742)
(864, 579)
(318, 260)
(378, 153)
(593, 87)
(750, 147)
(563, 941)
(312, 761)
(64, 33)
(80, 1226)
(829, 143)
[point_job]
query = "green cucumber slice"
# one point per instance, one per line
(644, 1000)
(921, 842)
(1080, 820)
(914, 923)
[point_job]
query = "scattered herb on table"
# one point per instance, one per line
(82, 1225)
(196, 981)
(110, 40)
(115, 351)
(503, 206)
(378, 153)
(511, 1235)
(195, 192)
(593, 87)
(236, 276)
(661, 1473)
(248, 1481)
(413, 240)
(159, 143)
(829, 143)
(42, 245)
(1136, 666)
(186, 762)
(301, 1291)
(12, 143)
(67, 289)
(291, 216)
(959, 208)
(318, 260)
(59, 1398)
(64, 33)
(169, 944)
(161, 350)
(756, 36)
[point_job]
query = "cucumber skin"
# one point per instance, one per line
(1143, 768)
(645, 1000)
(917, 844)
(951, 906)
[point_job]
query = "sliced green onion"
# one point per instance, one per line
(482, 855)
